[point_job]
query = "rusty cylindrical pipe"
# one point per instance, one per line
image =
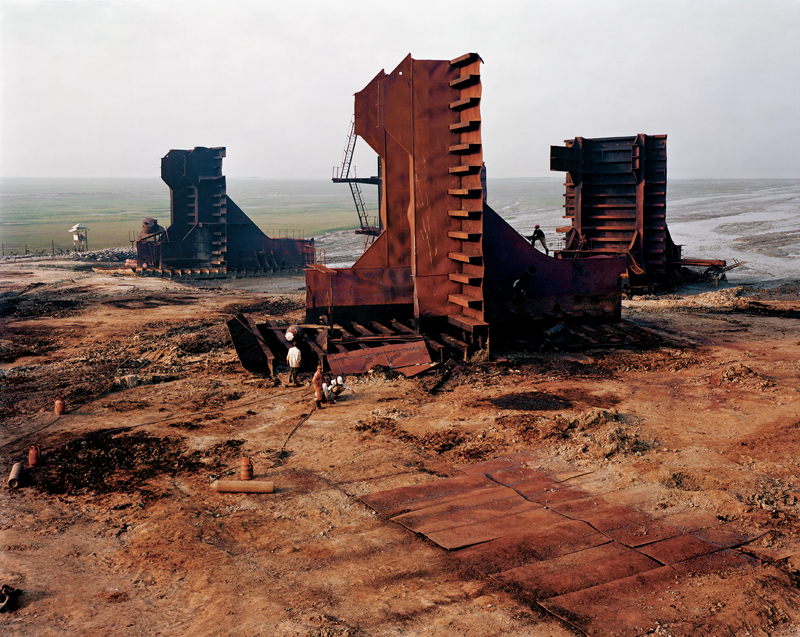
(239, 486)
(15, 476)
(60, 406)
(246, 472)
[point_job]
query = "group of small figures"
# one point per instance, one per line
(324, 391)
(327, 391)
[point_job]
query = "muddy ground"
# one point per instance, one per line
(119, 533)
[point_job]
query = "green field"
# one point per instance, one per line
(39, 212)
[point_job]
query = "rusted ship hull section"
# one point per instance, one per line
(209, 235)
(445, 260)
(616, 201)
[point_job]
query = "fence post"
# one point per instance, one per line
(26, 248)
(52, 246)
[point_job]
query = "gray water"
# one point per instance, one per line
(755, 222)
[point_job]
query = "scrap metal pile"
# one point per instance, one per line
(209, 235)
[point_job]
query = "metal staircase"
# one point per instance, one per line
(342, 175)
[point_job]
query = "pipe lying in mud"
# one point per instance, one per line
(239, 486)
(15, 476)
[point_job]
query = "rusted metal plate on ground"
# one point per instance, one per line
(545, 543)
(719, 562)
(614, 517)
(397, 501)
(493, 529)
(692, 520)
(725, 535)
(455, 503)
(551, 498)
(679, 548)
(576, 571)
(414, 370)
(400, 355)
(644, 532)
(580, 508)
(515, 475)
(623, 608)
(476, 514)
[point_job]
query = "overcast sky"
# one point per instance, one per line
(105, 89)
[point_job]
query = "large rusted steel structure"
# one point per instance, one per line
(445, 260)
(209, 234)
(616, 200)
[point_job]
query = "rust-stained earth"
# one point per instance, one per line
(119, 533)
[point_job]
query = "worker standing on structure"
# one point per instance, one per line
(538, 235)
(294, 358)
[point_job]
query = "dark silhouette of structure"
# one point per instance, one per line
(209, 235)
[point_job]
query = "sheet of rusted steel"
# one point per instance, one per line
(679, 548)
(549, 492)
(558, 285)
(516, 550)
(414, 370)
(400, 355)
(455, 503)
(477, 513)
(726, 535)
(512, 476)
(576, 571)
(396, 501)
(722, 561)
(643, 532)
(493, 529)
(692, 520)
(612, 517)
(625, 607)
(253, 352)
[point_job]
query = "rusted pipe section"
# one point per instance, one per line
(60, 406)
(15, 476)
(239, 486)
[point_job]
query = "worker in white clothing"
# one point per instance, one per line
(294, 359)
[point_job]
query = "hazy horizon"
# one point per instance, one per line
(100, 89)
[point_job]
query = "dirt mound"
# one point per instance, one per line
(739, 374)
(530, 401)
